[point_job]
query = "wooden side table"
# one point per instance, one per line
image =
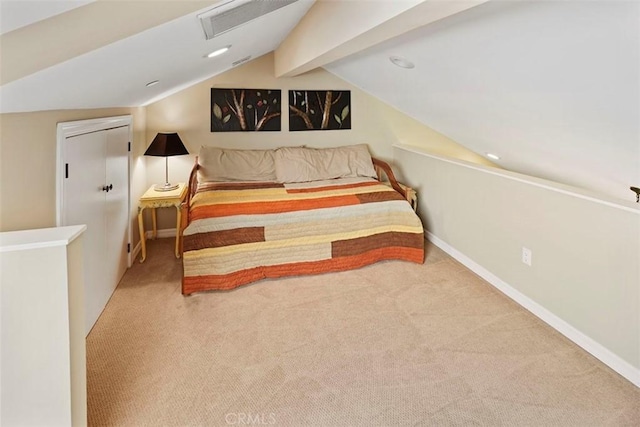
(160, 199)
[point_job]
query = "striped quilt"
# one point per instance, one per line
(243, 232)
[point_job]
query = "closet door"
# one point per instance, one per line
(96, 193)
(117, 203)
(84, 200)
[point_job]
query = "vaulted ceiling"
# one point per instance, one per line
(551, 87)
(109, 65)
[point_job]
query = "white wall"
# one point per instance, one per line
(42, 339)
(585, 274)
(553, 87)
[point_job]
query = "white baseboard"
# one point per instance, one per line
(135, 252)
(602, 353)
(165, 232)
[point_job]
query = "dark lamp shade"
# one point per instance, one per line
(165, 145)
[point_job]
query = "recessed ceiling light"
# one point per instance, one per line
(401, 62)
(153, 83)
(493, 156)
(217, 52)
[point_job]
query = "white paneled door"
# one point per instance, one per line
(117, 203)
(95, 192)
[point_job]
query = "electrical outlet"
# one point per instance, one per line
(526, 256)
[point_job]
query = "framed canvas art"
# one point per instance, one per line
(319, 109)
(244, 110)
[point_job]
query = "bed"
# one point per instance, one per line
(256, 214)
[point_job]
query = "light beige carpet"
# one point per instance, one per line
(390, 344)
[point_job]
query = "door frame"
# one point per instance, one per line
(80, 127)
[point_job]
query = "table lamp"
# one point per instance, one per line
(165, 145)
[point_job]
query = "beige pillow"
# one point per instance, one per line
(302, 164)
(225, 164)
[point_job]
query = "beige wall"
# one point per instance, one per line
(373, 122)
(28, 164)
(585, 250)
(138, 168)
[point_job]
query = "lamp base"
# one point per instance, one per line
(166, 187)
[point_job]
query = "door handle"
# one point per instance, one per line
(107, 187)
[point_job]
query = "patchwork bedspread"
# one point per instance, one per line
(243, 232)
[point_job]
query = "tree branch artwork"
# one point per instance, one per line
(245, 110)
(319, 109)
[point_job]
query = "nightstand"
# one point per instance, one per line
(160, 199)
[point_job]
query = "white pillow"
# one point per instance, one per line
(303, 164)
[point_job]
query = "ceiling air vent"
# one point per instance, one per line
(240, 61)
(233, 13)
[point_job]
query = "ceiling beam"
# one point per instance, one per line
(62, 37)
(333, 29)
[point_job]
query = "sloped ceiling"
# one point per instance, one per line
(552, 87)
(114, 73)
(14, 14)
